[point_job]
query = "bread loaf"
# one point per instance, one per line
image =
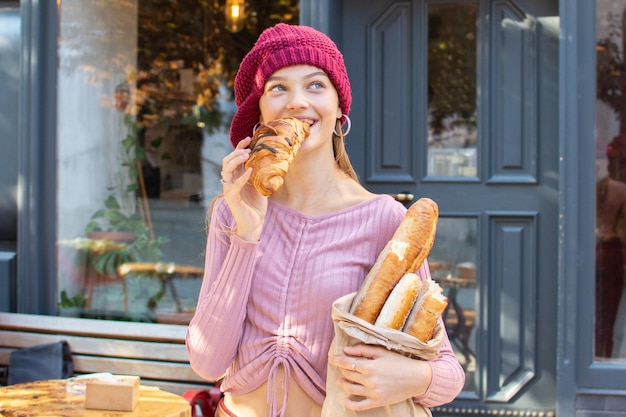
(406, 251)
(427, 309)
(396, 309)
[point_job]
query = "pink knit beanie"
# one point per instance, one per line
(281, 46)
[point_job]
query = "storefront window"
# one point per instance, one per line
(452, 89)
(144, 107)
(610, 129)
(10, 44)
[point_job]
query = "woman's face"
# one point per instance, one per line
(304, 92)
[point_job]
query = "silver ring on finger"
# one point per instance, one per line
(354, 366)
(225, 182)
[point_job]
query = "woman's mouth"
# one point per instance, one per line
(311, 122)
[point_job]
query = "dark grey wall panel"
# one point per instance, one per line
(36, 242)
(511, 310)
(389, 52)
(514, 136)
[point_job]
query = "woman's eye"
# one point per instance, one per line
(317, 84)
(277, 87)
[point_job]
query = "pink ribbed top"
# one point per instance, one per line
(269, 303)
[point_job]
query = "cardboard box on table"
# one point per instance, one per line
(121, 395)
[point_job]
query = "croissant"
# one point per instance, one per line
(274, 145)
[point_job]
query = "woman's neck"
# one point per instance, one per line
(311, 192)
(320, 192)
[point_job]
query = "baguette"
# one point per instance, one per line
(426, 311)
(400, 302)
(406, 251)
(274, 146)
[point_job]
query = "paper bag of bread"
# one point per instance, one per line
(350, 330)
(394, 308)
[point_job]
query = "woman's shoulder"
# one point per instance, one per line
(358, 194)
(360, 197)
(388, 203)
(383, 206)
(617, 185)
(615, 194)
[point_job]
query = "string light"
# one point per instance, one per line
(235, 14)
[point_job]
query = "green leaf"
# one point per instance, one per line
(155, 143)
(111, 203)
(140, 154)
(91, 226)
(98, 214)
(78, 300)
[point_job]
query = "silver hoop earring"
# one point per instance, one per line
(256, 126)
(348, 123)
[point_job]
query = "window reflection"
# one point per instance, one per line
(453, 261)
(452, 89)
(610, 301)
(10, 33)
(144, 108)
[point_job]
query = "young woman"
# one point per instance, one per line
(275, 265)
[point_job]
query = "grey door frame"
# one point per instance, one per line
(582, 384)
(574, 125)
(36, 265)
(10, 48)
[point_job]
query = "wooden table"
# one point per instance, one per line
(50, 399)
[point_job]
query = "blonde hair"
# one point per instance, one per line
(341, 154)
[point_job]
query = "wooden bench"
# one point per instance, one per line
(154, 352)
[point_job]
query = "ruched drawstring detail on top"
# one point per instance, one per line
(273, 385)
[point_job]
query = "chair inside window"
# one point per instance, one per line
(459, 320)
(174, 299)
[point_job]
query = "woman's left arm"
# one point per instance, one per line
(374, 376)
(447, 380)
(447, 375)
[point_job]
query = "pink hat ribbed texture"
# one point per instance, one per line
(277, 47)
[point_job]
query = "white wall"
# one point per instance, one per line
(92, 62)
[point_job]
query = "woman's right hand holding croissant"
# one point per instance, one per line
(245, 202)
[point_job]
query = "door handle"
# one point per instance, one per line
(403, 196)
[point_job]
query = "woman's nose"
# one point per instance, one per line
(297, 99)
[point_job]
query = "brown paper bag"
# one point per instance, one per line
(350, 330)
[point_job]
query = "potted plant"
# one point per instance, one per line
(131, 239)
(120, 223)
